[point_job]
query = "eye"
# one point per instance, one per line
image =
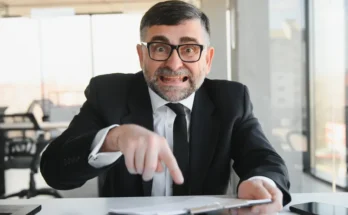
(160, 49)
(189, 50)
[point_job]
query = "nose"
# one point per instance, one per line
(174, 62)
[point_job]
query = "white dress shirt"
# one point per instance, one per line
(163, 118)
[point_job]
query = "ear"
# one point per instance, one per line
(140, 55)
(209, 59)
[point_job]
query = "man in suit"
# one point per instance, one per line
(168, 130)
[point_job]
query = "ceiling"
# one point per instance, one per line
(24, 3)
(14, 8)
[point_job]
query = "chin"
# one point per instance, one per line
(172, 93)
(175, 96)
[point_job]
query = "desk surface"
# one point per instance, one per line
(100, 206)
(43, 125)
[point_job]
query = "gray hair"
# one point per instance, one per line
(173, 12)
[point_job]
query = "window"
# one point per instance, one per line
(20, 63)
(115, 37)
(50, 61)
(328, 153)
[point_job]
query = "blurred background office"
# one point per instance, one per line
(292, 54)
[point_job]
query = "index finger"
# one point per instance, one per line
(169, 160)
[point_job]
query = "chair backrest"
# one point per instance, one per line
(19, 121)
(22, 135)
(2, 111)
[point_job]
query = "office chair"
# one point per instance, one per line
(41, 109)
(22, 152)
(2, 111)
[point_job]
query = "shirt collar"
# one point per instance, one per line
(157, 101)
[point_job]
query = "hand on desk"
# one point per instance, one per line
(143, 151)
(259, 189)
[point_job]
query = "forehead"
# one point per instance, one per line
(175, 33)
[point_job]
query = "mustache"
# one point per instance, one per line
(169, 72)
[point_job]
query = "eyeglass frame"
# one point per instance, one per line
(174, 47)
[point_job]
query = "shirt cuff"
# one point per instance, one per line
(100, 159)
(268, 180)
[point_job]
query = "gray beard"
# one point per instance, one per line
(171, 93)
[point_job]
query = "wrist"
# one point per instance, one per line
(111, 141)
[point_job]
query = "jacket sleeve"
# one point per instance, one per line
(64, 164)
(253, 155)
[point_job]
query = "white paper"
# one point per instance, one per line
(235, 203)
(173, 208)
(259, 201)
(194, 204)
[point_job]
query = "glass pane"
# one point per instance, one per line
(115, 37)
(288, 93)
(19, 64)
(66, 62)
(328, 146)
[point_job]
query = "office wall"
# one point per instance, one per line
(252, 55)
(217, 13)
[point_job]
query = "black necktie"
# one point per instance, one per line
(180, 147)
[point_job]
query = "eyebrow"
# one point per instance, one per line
(166, 40)
(160, 38)
(188, 39)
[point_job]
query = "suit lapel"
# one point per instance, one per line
(204, 130)
(140, 113)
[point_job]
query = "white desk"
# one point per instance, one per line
(44, 125)
(100, 206)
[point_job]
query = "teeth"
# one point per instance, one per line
(171, 78)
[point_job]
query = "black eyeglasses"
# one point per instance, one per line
(160, 51)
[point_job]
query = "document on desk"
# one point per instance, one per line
(191, 205)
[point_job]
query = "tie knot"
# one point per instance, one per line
(177, 108)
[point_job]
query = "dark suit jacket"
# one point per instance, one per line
(223, 128)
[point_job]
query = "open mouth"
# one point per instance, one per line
(173, 79)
